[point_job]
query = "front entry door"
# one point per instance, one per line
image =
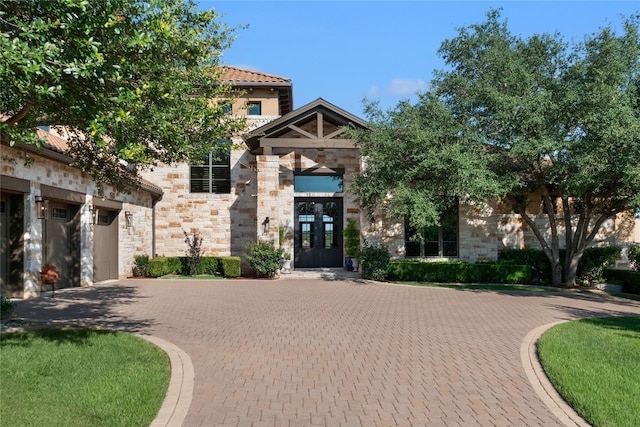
(318, 232)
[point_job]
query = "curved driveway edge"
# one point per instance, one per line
(176, 403)
(540, 382)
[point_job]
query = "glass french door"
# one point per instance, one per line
(318, 232)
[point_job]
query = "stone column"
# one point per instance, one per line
(267, 206)
(86, 243)
(32, 244)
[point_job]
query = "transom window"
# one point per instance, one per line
(213, 176)
(434, 241)
(317, 183)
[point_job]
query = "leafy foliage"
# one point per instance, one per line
(590, 269)
(194, 244)
(629, 279)
(141, 266)
(634, 257)
(351, 239)
(374, 261)
(6, 307)
(130, 81)
(510, 117)
(264, 257)
(459, 272)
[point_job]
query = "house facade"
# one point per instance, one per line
(286, 181)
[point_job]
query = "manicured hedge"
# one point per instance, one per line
(593, 262)
(227, 266)
(629, 279)
(161, 266)
(459, 272)
(230, 266)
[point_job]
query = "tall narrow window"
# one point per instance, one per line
(434, 241)
(213, 176)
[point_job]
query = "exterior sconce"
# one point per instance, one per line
(265, 226)
(41, 207)
(94, 214)
(128, 217)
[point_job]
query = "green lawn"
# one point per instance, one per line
(80, 378)
(595, 365)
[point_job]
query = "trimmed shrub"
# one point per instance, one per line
(374, 261)
(206, 265)
(630, 280)
(161, 266)
(209, 265)
(6, 307)
(264, 258)
(230, 266)
(593, 262)
(634, 257)
(191, 266)
(141, 266)
(459, 272)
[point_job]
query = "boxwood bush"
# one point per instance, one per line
(593, 262)
(264, 258)
(634, 257)
(230, 266)
(227, 266)
(459, 272)
(629, 279)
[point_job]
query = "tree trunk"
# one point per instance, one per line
(571, 268)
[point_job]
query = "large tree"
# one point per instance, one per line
(131, 81)
(513, 116)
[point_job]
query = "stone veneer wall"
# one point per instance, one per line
(483, 231)
(224, 221)
(292, 160)
(39, 171)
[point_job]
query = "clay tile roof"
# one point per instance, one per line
(54, 142)
(239, 75)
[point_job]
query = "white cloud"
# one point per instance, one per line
(406, 86)
(373, 92)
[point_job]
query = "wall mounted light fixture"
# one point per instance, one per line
(41, 207)
(128, 217)
(265, 226)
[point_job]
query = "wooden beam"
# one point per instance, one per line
(302, 131)
(336, 133)
(306, 143)
(320, 124)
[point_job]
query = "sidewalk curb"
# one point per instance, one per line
(541, 384)
(180, 392)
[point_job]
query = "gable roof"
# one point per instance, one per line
(292, 123)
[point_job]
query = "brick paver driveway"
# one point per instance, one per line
(339, 353)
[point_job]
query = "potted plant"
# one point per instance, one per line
(49, 275)
(286, 266)
(351, 245)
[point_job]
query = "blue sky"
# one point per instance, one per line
(344, 51)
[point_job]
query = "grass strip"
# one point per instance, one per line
(54, 377)
(593, 363)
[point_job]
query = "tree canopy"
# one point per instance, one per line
(511, 116)
(131, 81)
